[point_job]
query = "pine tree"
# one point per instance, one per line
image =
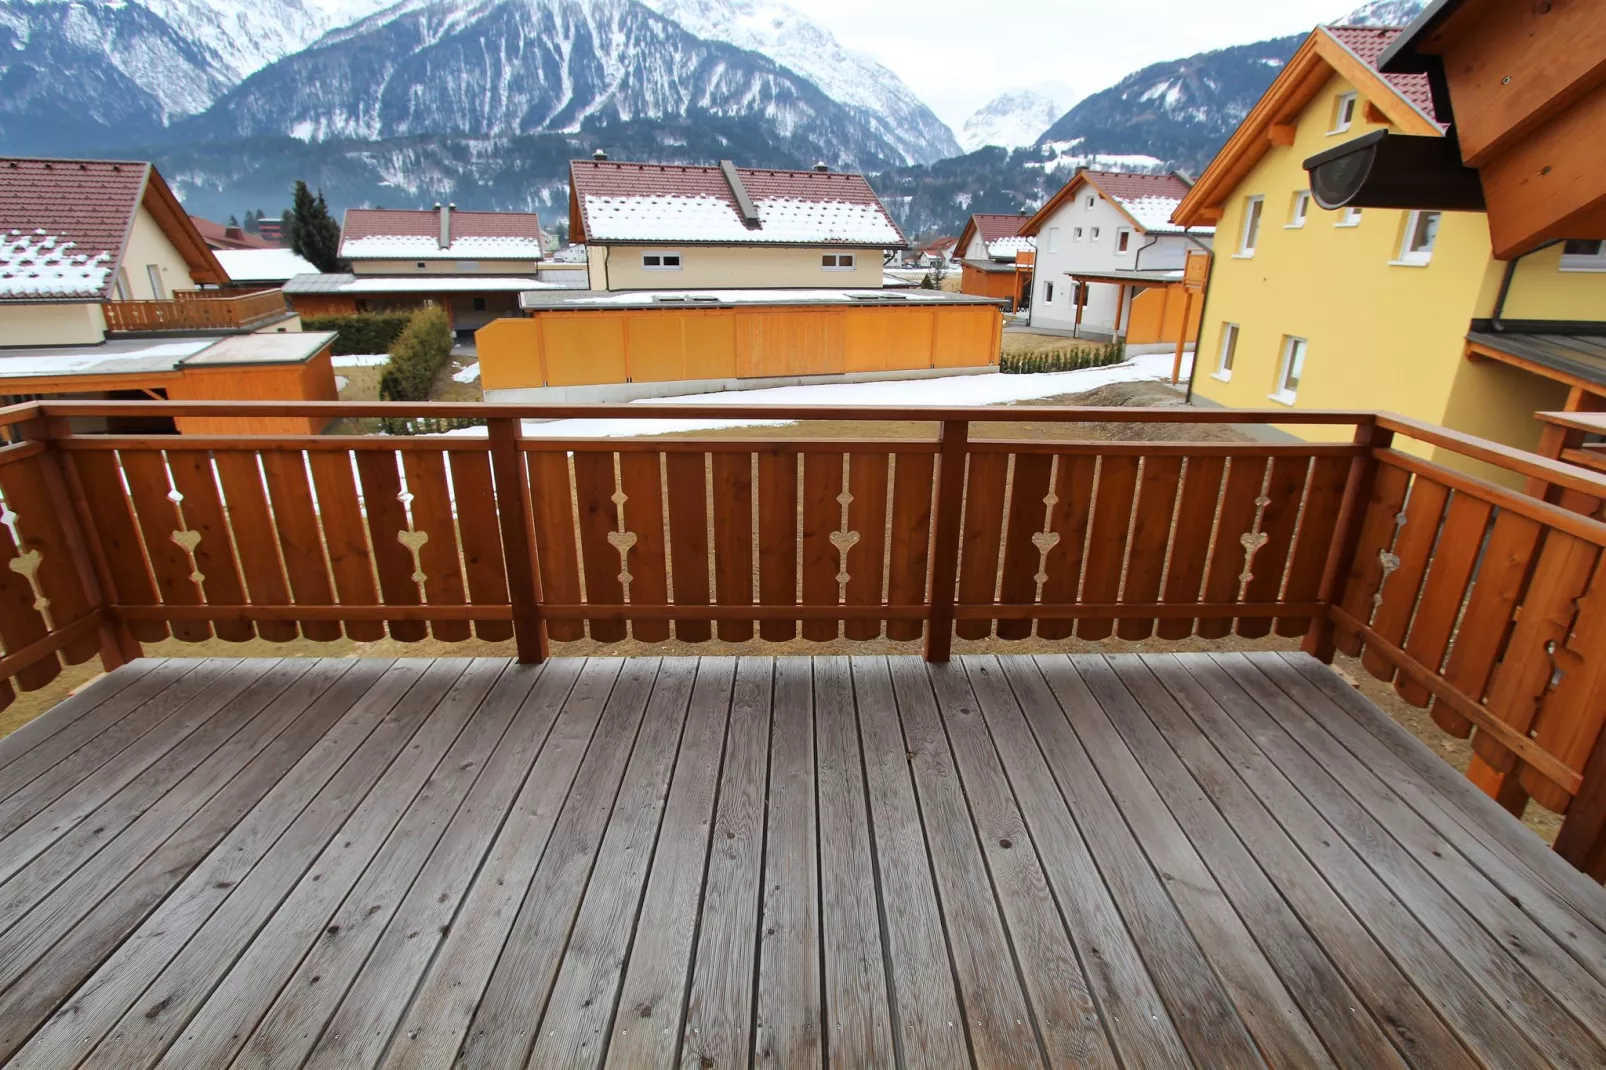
(251, 218)
(234, 221)
(312, 231)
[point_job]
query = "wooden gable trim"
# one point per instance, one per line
(164, 207)
(1139, 227)
(577, 220)
(1311, 67)
(1052, 205)
(965, 236)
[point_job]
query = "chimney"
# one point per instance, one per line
(744, 203)
(446, 224)
(822, 167)
(600, 156)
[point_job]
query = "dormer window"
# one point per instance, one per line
(660, 261)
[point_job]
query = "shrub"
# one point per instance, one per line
(1067, 358)
(417, 356)
(361, 332)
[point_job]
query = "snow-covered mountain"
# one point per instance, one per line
(788, 37)
(1009, 120)
(247, 35)
(1384, 13)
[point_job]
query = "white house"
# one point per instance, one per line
(1101, 241)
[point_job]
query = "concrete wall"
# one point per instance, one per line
(80, 323)
(1381, 334)
(444, 267)
(730, 267)
(147, 246)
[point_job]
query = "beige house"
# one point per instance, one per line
(77, 236)
(678, 227)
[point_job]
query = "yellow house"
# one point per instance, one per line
(1374, 308)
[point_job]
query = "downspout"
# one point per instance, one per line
(1204, 308)
(1495, 323)
(1137, 256)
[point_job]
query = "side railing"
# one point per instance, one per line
(1478, 601)
(195, 310)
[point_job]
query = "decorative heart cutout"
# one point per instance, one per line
(844, 540)
(414, 541)
(1045, 540)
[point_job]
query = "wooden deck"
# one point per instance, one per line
(866, 862)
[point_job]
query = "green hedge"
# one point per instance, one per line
(1067, 358)
(362, 332)
(417, 356)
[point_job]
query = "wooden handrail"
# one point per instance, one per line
(194, 309)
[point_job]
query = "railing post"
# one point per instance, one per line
(117, 644)
(1318, 640)
(518, 538)
(950, 503)
(1582, 837)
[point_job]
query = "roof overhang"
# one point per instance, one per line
(1141, 279)
(180, 229)
(1382, 169)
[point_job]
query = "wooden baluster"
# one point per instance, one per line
(1318, 641)
(518, 539)
(955, 442)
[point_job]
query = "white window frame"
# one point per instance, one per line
(1092, 233)
(153, 272)
(1409, 257)
(1053, 239)
(1249, 233)
(1350, 102)
(1229, 350)
(1299, 212)
(659, 255)
(1089, 202)
(1595, 261)
(1123, 240)
(1290, 364)
(834, 261)
(1048, 292)
(1349, 217)
(1076, 233)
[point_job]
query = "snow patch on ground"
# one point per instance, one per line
(360, 360)
(470, 374)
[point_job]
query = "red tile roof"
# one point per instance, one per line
(1127, 186)
(219, 236)
(656, 182)
(519, 232)
(90, 203)
(1367, 43)
(995, 225)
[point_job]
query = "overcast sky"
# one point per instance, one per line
(959, 54)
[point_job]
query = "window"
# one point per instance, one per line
(830, 261)
(1289, 371)
(1076, 233)
(1229, 349)
(419, 265)
(1053, 239)
(1251, 234)
(1578, 255)
(1343, 113)
(1093, 233)
(1300, 209)
(1123, 239)
(154, 273)
(1351, 217)
(121, 290)
(1048, 292)
(479, 304)
(1416, 244)
(661, 261)
(1090, 201)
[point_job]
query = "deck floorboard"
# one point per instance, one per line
(1171, 860)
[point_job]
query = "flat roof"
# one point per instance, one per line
(992, 265)
(161, 356)
(426, 284)
(551, 300)
(1157, 277)
(1582, 356)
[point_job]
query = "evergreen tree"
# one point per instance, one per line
(234, 221)
(312, 231)
(250, 226)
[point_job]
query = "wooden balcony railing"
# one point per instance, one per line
(1485, 604)
(195, 310)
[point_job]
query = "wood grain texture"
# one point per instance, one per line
(733, 538)
(195, 480)
(866, 558)
(387, 518)
(251, 523)
(1190, 546)
(909, 540)
(1235, 518)
(1028, 507)
(641, 482)
(986, 484)
(1324, 497)
(687, 480)
(1074, 480)
(777, 540)
(295, 517)
(559, 557)
(1379, 525)
(1424, 512)
(479, 533)
(821, 560)
(1444, 591)
(439, 556)
(1106, 540)
(602, 562)
(145, 472)
(42, 520)
(1151, 534)
(1285, 495)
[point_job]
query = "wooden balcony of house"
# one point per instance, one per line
(197, 310)
(969, 833)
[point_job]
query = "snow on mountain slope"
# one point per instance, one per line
(1384, 13)
(1010, 120)
(788, 37)
(247, 35)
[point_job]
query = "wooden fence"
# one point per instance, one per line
(195, 310)
(1481, 602)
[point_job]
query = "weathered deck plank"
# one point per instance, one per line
(712, 863)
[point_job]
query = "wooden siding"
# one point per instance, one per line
(573, 348)
(999, 285)
(793, 862)
(1155, 315)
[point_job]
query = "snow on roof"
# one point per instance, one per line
(263, 265)
(1154, 213)
(634, 202)
(388, 234)
(63, 224)
(42, 264)
(385, 284)
(694, 298)
(1006, 248)
(125, 357)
